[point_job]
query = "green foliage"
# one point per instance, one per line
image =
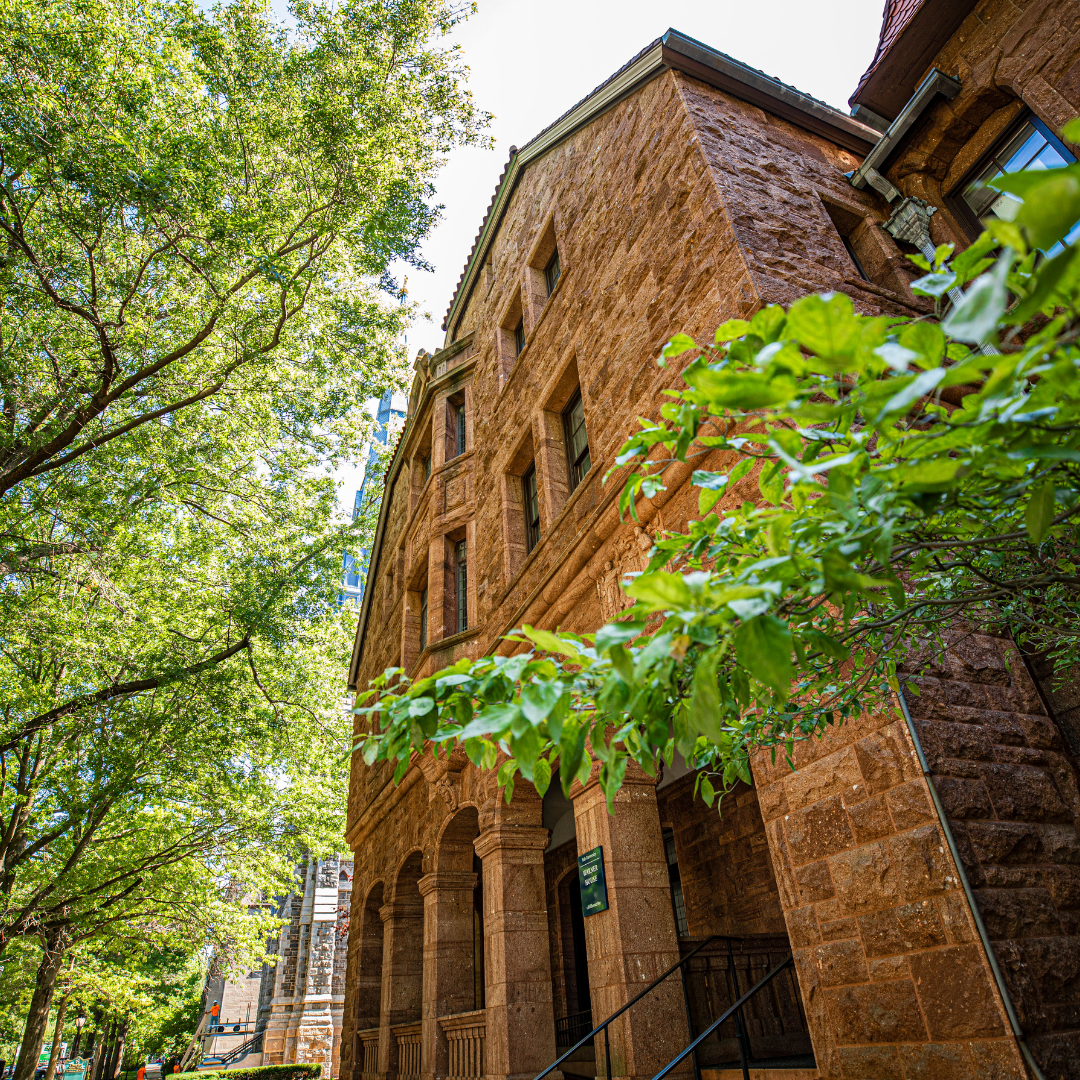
(198, 213)
(908, 486)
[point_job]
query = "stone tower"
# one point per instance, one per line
(304, 992)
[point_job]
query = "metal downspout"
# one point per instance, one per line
(984, 937)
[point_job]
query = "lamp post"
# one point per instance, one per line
(79, 1021)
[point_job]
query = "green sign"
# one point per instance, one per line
(590, 868)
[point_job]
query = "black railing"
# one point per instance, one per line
(735, 1010)
(618, 1012)
(569, 1029)
(253, 1045)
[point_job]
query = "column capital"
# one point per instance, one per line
(390, 912)
(447, 881)
(635, 776)
(511, 838)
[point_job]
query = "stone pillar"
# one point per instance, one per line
(448, 960)
(517, 959)
(634, 941)
(403, 927)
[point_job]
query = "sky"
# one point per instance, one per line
(530, 62)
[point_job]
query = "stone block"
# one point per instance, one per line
(839, 930)
(865, 879)
(802, 926)
(937, 1061)
(997, 1059)
(814, 881)
(955, 993)
(833, 775)
(922, 864)
(963, 798)
(979, 659)
(876, 1013)
(969, 740)
(902, 929)
(886, 759)
(773, 801)
(840, 962)
(1023, 793)
(910, 805)
(871, 1063)
(1018, 913)
(818, 831)
(870, 819)
(956, 917)
(885, 968)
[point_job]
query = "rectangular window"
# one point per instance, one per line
(423, 619)
(577, 441)
(427, 468)
(519, 337)
(678, 904)
(1032, 145)
(459, 419)
(461, 558)
(855, 260)
(551, 272)
(532, 508)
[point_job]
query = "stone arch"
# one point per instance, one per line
(403, 946)
(454, 848)
(368, 982)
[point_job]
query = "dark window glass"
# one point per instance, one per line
(427, 468)
(459, 418)
(519, 337)
(1031, 146)
(577, 441)
(532, 509)
(675, 878)
(423, 619)
(461, 558)
(551, 272)
(855, 258)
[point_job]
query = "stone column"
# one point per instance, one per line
(448, 960)
(517, 960)
(634, 941)
(403, 925)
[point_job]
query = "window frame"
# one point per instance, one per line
(552, 271)
(955, 198)
(532, 527)
(461, 577)
(424, 617)
(459, 421)
(519, 337)
(575, 474)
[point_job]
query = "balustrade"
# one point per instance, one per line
(369, 1053)
(465, 1034)
(407, 1037)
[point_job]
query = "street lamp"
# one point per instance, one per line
(79, 1021)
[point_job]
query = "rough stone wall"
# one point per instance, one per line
(1008, 55)
(1010, 792)
(727, 879)
(893, 977)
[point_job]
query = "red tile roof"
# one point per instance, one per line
(897, 15)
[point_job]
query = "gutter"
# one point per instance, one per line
(672, 52)
(980, 926)
(937, 82)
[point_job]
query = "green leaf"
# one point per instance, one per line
(825, 325)
(679, 344)
(975, 318)
(538, 699)
(704, 713)
(542, 776)
(617, 633)
(1039, 512)
(728, 331)
(936, 284)
(661, 590)
(549, 642)
(763, 646)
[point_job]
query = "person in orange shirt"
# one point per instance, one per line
(141, 1074)
(176, 1067)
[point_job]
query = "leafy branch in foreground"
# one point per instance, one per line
(868, 487)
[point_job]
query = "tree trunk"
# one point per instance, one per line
(102, 1050)
(117, 1052)
(40, 1004)
(58, 1034)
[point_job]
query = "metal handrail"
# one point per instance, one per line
(236, 1053)
(724, 1016)
(618, 1012)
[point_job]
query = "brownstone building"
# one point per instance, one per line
(924, 873)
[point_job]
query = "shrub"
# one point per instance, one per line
(261, 1072)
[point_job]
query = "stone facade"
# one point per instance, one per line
(304, 992)
(684, 191)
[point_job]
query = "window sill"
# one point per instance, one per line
(469, 634)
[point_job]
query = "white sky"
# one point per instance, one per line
(531, 61)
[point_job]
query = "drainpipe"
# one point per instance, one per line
(984, 937)
(910, 220)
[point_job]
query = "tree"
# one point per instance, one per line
(906, 485)
(199, 213)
